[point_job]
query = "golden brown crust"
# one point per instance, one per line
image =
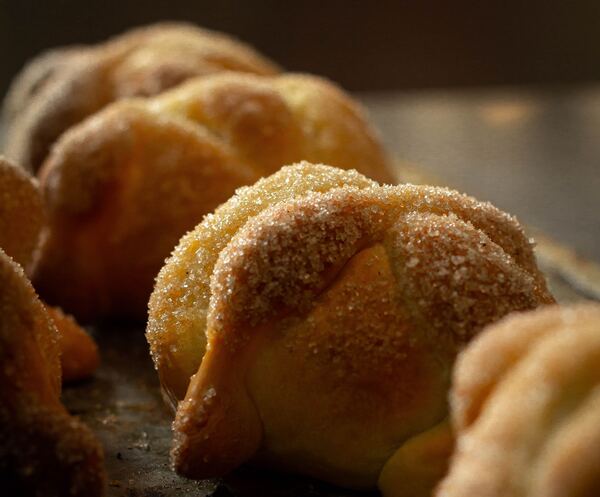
(79, 353)
(454, 232)
(526, 404)
(272, 121)
(119, 197)
(124, 185)
(329, 296)
(418, 464)
(22, 221)
(43, 450)
(179, 305)
(22, 215)
(335, 127)
(63, 87)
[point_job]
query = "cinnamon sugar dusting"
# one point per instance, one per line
(134, 177)
(284, 256)
(179, 304)
(271, 250)
(351, 332)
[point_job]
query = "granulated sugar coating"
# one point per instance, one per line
(179, 305)
(284, 257)
(21, 214)
(329, 311)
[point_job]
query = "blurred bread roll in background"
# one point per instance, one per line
(124, 185)
(63, 86)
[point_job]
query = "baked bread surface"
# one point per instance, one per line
(324, 312)
(525, 407)
(126, 184)
(23, 222)
(22, 215)
(62, 87)
(43, 450)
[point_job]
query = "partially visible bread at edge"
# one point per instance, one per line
(526, 407)
(43, 449)
(61, 87)
(22, 215)
(23, 223)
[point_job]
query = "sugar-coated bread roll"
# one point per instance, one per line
(22, 216)
(22, 223)
(63, 86)
(43, 450)
(123, 186)
(311, 324)
(526, 408)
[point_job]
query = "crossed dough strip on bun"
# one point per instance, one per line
(526, 407)
(43, 450)
(323, 313)
(123, 186)
(61, 87)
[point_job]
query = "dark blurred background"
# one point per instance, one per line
(363, 45)
(498, 99)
